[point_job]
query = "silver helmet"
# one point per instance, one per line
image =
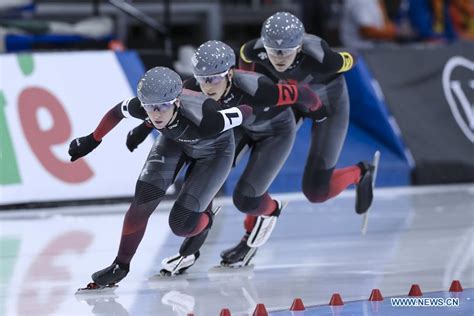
(212, 57)
(159, 85)
(282, 30)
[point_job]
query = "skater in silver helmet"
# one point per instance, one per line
(292, 56)
(268, 133)
(194, 131)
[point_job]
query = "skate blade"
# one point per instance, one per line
(109, 289)
(365, 220)
(249, 256)
(229, 270)
(216, 210)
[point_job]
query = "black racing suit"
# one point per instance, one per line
(269, 133)
(194, 137)
(320, 67)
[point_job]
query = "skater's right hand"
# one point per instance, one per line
(312, 103)
(81, 146)
(137, 135)
(247, 112)
(308, 98)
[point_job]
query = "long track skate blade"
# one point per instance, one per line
(216, 210)
(161, 282)
(249, 257)
(220, 270)
(95, 289)
(365, 220)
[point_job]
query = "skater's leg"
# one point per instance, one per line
(188, 217)
(321, 181)
(269, 152)
(156, 176)
(191, 215)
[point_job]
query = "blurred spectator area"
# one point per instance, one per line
(191, 22)
(152, 27)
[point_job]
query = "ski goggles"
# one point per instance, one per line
(160, 107)
(212, 79)
(281, 52)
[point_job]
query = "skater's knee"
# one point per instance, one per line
(316, 185)
(146, 192)
(246, 204)
(183, 221)
(314, 196)
(316, 192)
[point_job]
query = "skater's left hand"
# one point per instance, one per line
(81, 146)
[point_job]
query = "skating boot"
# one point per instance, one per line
(238, 256)
(365, 188)
(170, 264)
(245, 250)
(107, 278)
(189, 250)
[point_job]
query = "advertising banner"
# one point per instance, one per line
(47, 100)
(430, 92)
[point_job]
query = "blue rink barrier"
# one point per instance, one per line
(132, 67)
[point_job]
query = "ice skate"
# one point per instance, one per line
(244, 251)
(365, 188)
(264, 226)
(189, 250)
(93, 287)
(240, 255)
(106, 279)
(170, 264)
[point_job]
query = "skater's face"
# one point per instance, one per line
(162, 114)
(215, 86)
(281, 59)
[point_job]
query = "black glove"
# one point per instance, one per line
(137, 135)
(81, 146)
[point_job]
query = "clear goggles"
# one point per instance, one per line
(160, 107)
(281, 52)
(211, 79)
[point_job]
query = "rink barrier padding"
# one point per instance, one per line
(52, 98)
(429, 91)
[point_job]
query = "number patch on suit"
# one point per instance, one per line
(232, 118)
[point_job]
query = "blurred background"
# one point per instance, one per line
(63, 64)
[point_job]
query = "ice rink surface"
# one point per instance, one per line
(422, 235)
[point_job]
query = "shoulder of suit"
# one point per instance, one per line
(312, 47)
(249, 52)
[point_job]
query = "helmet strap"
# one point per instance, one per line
(173, 117)
(229, 85)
